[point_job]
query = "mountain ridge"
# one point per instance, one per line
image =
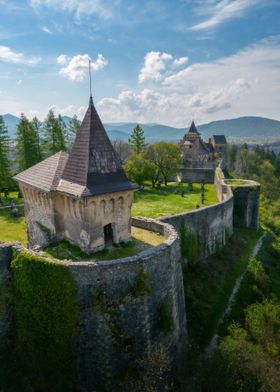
(240, 127)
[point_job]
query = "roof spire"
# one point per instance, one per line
(90, 92)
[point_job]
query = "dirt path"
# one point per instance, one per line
(214, 341)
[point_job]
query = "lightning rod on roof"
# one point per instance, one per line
(89, 71)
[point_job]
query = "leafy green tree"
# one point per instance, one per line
(5, 166)
(71, 130)
(27, 144)
(54, 134)
(139, 169)
(166, 157)
(251, 354)
(137, 139)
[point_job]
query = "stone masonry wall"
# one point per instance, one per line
(54, 216)
(121, 316)
(198, 175)
(212, 224)
(246, 205)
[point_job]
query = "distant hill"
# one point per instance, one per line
(235, 129)
(242, 127)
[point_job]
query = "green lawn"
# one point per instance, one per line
(12, 229)
(167, 200)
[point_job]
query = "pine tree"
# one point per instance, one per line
(37, 126)
(27, 144)
(53, 134)
(137, 139)
(5, 165)
(71, 130)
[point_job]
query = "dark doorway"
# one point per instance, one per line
(108, 234)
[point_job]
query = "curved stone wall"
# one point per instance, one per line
(212, 224)
(128, 309)
(120, 303)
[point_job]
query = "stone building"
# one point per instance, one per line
(219, 144)
(83, 197)
(199, 154)
(195, 151)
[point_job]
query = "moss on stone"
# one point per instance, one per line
(46, 321)
(165, 321)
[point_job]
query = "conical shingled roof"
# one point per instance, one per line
(93, 166)
(193, 128)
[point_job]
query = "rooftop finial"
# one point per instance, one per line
(90, 92)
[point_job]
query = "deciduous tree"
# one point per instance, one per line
(166, 157)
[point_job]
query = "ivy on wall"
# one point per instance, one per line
(46, 322)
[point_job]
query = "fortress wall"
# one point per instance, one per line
(198, 175)
(127, 327)
(129, 309)
(212, 225)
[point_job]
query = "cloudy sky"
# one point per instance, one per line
(163, 61)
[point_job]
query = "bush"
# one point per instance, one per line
(46, 320)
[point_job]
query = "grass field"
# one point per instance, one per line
(167, 200)
(12, 229)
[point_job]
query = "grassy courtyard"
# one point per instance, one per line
(168, 200)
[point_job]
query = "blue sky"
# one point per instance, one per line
(164, 61)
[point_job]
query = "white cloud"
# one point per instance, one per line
(19, 82)
(77, 67)
(69, 110)
(9, 56)
(157, 64)
(154, 64)
(223, 10)
(47, 30)
(63, 59)
(79, 8)
(245, 83)
(180, 61)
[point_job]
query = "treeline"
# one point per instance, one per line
(34, 141)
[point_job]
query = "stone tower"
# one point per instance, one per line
(83, 197)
